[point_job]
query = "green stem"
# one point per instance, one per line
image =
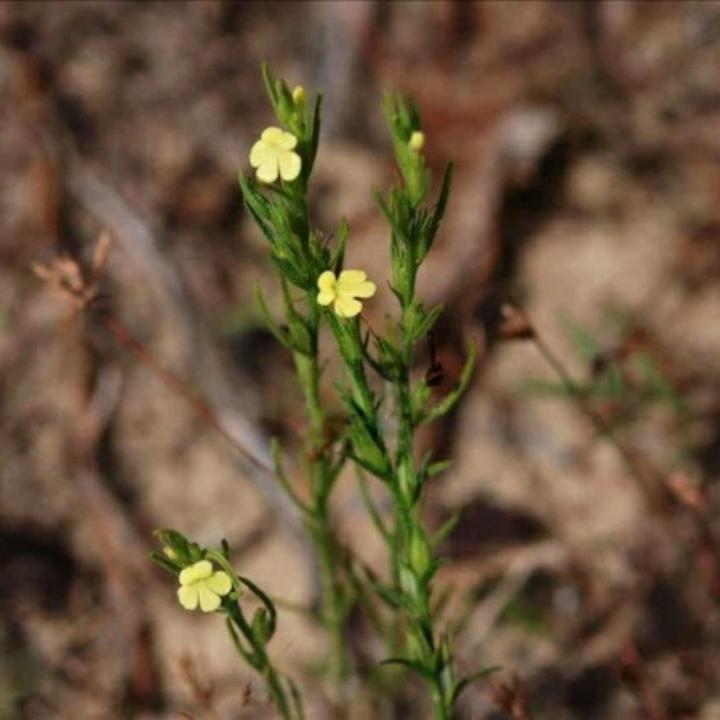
(416, 541)
(408, 543)
(261, 661)
(318, 523)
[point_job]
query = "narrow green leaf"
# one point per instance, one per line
(165, 563)
(272, 326)
(424, 325)
(372, 508)
(248, 655)
(264, 599)
(438, 467)
(413, 665)
(282, 478)
(448, 402)
(446, 528)
(469, 679)
(338, 256)
(315, 137)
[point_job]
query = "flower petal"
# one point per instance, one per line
(272, 136)
(209, 601)
(260, 153)
(327, 285)
(326, 281)
(268, 171)
(288, 141)
(198, 571)
(363, 290)
(355, 283)
(347, 307)
(290, 164)
(219, 583)
(352, 277)
(188, 596)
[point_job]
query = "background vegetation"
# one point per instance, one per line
(585, 138)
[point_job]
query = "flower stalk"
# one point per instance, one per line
(411, 549)
(281, 211)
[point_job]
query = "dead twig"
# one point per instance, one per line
(515, 325)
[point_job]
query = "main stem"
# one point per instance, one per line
(410, 526)
(317, 521)
(403, 484)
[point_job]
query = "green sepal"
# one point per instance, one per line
(185, 551)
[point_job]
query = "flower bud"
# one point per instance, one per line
(298, 96)
(261, 625)
(417, 141)
(420, 557)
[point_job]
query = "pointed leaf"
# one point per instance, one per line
(448, 402)
(413, 665)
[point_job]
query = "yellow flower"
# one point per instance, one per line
(199, 584)
(273, 155)
(417, 141)
(342, 291)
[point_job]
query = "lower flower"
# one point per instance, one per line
(200, 585)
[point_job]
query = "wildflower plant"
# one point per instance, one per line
(317, 290)
(329, 294)
(207, 581)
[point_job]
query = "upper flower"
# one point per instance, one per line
(273, 155)
(342, 291)
(198, 583)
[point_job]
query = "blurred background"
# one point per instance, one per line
(586, 143)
